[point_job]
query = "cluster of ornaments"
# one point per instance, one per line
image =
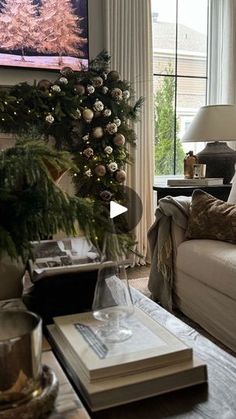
(105, 130)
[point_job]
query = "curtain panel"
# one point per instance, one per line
(128, 39)
(222, 52)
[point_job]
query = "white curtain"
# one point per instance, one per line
(222, 52)
(128, 39)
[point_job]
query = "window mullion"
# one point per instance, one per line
(176, 72)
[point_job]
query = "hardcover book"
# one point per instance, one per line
(151, 346)
(196, 182)
(113, 391)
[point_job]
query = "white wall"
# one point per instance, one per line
(11, 76)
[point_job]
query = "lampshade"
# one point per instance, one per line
(215, 124)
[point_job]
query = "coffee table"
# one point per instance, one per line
(216, 400)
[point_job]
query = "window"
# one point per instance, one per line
(180, 77)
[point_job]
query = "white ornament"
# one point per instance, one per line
(105, 90)
(98, 106)
(88, 173)
(85, 137)
(49, 118)
(56, 88)
(63, 80)
(78, 113)
(111, 128)
(107, 112)
(90, 89)
(126, 94)
(88, 152)
(108, 149)
(117, 121)
(112, 166)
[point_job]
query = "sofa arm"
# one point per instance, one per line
(178, 233)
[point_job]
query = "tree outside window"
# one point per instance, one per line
(165, 128)
(180, 78)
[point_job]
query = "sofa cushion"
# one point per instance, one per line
(211, 262)
(211, 218)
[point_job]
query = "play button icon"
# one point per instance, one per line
(116, 209)
(126, 216)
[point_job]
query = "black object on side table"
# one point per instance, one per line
(218, 191)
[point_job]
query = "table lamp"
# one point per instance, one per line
(215, 124)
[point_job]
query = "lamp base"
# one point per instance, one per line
(220, 160)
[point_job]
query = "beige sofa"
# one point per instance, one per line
(204, 287)
(197, 276)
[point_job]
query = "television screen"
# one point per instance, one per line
(44, 34)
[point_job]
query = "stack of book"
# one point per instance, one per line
(153, 361)
(210, 181)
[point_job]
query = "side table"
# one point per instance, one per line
(219, 191)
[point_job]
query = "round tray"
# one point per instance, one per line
(39, 406)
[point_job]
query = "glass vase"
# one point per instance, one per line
(112, 303)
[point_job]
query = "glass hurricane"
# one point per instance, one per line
(112, 302)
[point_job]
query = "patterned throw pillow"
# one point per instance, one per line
(211, 218)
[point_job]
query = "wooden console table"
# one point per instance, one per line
(219, 191)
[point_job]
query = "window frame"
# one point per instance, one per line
(177, 76)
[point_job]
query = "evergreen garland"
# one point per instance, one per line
(32, 206)
(87, 113)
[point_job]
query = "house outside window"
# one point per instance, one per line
(180, 30)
